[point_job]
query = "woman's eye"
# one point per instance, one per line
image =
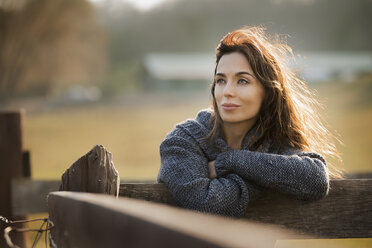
(220, 81)
(243, 81)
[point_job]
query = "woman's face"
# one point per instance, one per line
(238, 93)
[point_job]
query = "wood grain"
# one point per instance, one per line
(345, 213)
(94, 172)
(96, 220)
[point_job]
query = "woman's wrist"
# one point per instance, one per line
(212, 170)
(222, 164)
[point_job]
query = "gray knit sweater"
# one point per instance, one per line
(241, 174)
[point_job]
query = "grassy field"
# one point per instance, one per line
(348, 110)
(131, 132)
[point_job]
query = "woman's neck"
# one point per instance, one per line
(234, 134)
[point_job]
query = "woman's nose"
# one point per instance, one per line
(229, 89)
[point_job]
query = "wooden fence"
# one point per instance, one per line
(349, 198)
(93, 220)
(82, 220)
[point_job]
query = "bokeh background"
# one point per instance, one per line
(123, 73)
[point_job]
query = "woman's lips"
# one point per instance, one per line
(229, 106)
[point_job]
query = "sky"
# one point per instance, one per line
(142, 5)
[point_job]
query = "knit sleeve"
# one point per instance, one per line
(301, 174)
(184, 170)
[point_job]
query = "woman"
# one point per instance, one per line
(261, 133)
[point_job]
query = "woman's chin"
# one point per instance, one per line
(231, 120)
(236, 119)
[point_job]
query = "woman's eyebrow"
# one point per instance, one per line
(244, 72)
(220, 74)
(238, 74)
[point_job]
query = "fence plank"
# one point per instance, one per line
(94, 172)
(29, 196)
(344, 213)
(92, 220)
(10, 165)
(155, 192)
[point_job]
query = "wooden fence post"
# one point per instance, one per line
(10, 167)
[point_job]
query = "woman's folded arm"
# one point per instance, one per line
(301, 174)
(184, 170)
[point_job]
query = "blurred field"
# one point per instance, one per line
(348, 111)
(131, 131)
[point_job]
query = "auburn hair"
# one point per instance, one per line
(288, 116)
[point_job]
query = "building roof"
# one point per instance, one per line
(193, 66)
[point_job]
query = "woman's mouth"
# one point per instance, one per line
(229, 106)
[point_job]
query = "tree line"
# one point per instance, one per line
(49, 44)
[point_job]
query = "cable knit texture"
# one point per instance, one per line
(241, 174)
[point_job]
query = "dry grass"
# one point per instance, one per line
(349, 113)
(132, 133)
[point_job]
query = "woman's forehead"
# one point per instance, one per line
(233, 63)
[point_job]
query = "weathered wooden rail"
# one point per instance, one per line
(345, 213)
(92, 220)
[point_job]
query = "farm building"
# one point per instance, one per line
(172, 72)
(324, 66)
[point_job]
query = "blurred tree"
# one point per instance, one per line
(197, 25)
(46, 45)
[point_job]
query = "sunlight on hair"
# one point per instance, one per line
(290, 113)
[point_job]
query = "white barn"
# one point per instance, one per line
(178, 71)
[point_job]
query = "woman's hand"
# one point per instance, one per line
(212, 170)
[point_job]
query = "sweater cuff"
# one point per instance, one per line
(222, 163)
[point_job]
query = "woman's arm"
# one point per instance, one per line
(303, 175)
(184, 170)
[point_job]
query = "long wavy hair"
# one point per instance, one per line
(288, 116)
